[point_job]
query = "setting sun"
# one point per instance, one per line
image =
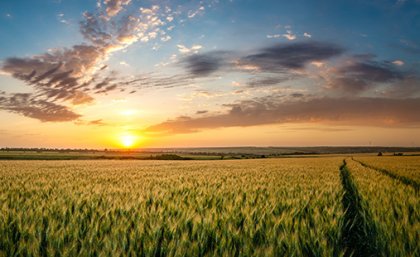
(128, 140)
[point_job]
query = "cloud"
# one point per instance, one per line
(289, 35)
(79, 59)
(267, 81)
(274, 36)
(306, 34)
(292, 56)
(409, 46)
(205, 64)
(192, 50)
(44, 111)
(235, 83)
(277, 59)
(156, 81)
(143, 26)
(93, 29)
(81, 98)
(358, 76)
(165, 38)
(398, 62)
(383, 112)
(192, 14)
(408, 87)
(113, 7)
(98, 122)
(318, 64)
(61, 19)
(74, 74)
(59, 74)
(297, 95)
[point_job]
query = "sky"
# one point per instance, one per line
(149, 73)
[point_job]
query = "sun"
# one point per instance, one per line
(128, 140)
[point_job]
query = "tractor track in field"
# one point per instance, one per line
(402, 179)
(359, 231)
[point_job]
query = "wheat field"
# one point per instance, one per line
(264, 207)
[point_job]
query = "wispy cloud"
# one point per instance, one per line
(28, 106)
(193, 13)
(73, 75)
(62, 19)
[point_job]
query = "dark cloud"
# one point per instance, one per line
(275, 59)
(269, 81)
(292, 56)
(409, 87)
(78, 59)
(94, 30)
(205, 64)
(297, 95)
(57, 75)
(373, 71)
(271, 66)
(360, 76)
(81, 98)
(354, 111)
(44, 111)
(202, 112)
(156, 81)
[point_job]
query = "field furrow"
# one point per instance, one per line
(359, 231)
(395, 209)
(405, 180)
(405, 167)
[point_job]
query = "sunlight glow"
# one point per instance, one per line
(128, 112)
(128, 140)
